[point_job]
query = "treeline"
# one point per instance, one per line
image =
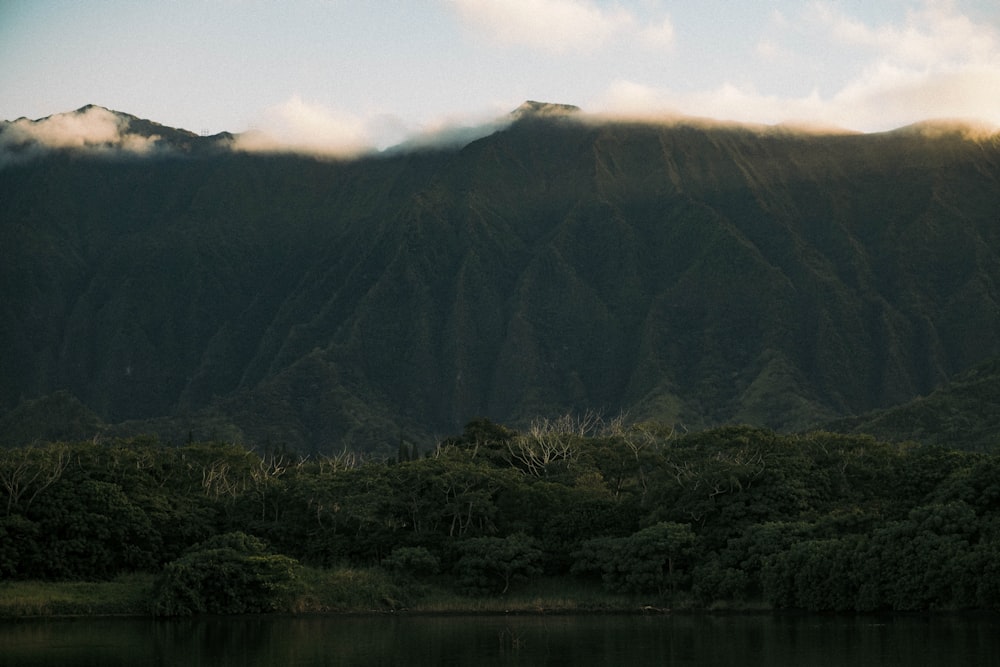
(732, 516)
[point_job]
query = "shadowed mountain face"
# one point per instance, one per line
(683, 273)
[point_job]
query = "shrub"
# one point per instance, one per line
(228, 574)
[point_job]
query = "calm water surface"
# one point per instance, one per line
(740, 641)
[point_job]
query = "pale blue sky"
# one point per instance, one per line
(372, 71)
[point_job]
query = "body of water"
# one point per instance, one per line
(479, 641)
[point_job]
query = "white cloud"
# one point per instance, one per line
(630, 97)
(770, 51)
(778, 19)
(933, 36)
(888, 95)
(92, 128)
(658, 35)
(451, 134)
(726, 102)
(297, 126)
(300, 126)
(938, 63)
(559, 26)
(935, 63)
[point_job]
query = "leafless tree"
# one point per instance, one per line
(25, 473)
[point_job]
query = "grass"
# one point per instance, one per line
(348, 590)
(340, 590)
(374, 590)
(124, 595)
(545, 595)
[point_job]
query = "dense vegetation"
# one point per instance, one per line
(683, 273)
(733, 516)
(964, 413)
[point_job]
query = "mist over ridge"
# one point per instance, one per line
(99, 130)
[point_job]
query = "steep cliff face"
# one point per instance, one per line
(684, 272)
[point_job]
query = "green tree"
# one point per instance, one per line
(751, 551)
(927, 560)
(412, 562)
(493, 564)
(815, 574)
(90, 529)
(652, 560)
(712, 581)
(232, 573)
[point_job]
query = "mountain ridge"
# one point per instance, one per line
(700, 275)
(183, 139)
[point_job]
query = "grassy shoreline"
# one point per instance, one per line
(127, 595)
(359, 592)
(340, 591)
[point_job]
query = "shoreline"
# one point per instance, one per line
(129, 598)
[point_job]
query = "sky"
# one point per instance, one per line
(349, 74)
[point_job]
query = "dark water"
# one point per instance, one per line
(740, 641)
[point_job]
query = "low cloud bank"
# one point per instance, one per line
(301, 127)
(882, 100)
(92, 128)
(298, 126)
(295, 127)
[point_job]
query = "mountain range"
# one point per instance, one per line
(688, 272)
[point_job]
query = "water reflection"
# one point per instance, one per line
(743, 641)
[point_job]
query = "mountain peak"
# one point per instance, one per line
(96, 128)
(533, 109)
(87, 107)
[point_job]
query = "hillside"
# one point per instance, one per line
(686, 272)
(964, 413)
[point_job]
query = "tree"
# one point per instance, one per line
(818, 575)
(928, 559)
(232, 573)
(412, 562)
(651, 560)
(90, 529)
(26, 472)
(493, 564)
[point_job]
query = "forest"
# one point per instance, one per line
(733, 517)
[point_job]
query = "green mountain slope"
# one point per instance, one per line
(962, 414)
(688, 273)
